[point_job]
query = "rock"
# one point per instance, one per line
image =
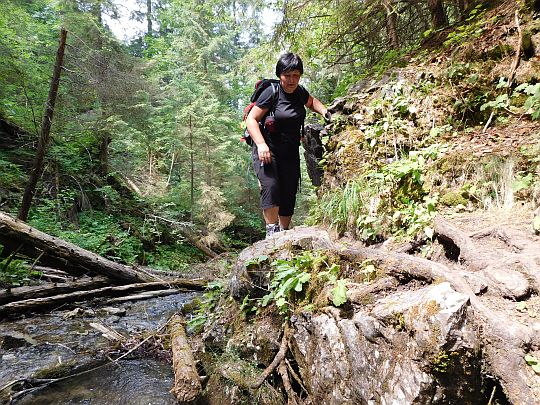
(397, 353)
(507, 282)
(251, 273)
(14, 340)
(111, 311)
(313, 151)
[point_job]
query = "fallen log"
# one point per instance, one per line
(24, 293)
(15, 234)
(70, 298)
(189, 234)
(187, 385)
(146, 295)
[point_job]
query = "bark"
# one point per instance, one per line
(438, 15)
(46, 124)
(391, 24)
(24, 293)
(145, 295)
(463, 6)
(192, 173)
(46, 302)
(149, 16)
(15, 234)
(187, 385)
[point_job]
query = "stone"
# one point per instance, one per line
(251, 273)
(388, 355)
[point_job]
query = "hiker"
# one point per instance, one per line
(275, 154)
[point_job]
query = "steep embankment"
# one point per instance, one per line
(428, 291)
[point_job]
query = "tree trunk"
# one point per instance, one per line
(391, 24)
(149, 16)
(463, 8)
(438, 15)
(187, 384)
(15, 234)
(24, 293)
(170, 170)
(192, 174)
(104, 152)
(70, 298)
(46, 124)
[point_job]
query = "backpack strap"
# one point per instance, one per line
(275, 98)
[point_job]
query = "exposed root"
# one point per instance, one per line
(279, 357)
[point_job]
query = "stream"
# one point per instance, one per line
(63, 340)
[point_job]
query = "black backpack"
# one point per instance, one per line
(260, 86)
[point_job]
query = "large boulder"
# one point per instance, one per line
(409, 347)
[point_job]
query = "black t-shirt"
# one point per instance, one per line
(289, 114)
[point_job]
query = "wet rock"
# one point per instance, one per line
(108, 311)
(14, 340)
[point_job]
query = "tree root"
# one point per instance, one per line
(277, 360)
(507, 341)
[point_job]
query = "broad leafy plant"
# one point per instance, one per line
(292, 276)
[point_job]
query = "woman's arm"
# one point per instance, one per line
(315, 105)
(252, 122)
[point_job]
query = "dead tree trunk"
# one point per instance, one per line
(15, 234)
(23, 293)
(13, 308)
(187, 384)
(46, 124)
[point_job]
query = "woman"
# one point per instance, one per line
(276, 158)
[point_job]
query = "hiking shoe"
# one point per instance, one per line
(271, 229)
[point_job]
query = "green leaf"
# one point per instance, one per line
(280, 302)
(339, 293)
(266, 299)
(531, 360)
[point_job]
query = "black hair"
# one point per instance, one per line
(287, 62)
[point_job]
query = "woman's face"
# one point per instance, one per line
(289, 80)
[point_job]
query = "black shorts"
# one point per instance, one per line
(279, 180)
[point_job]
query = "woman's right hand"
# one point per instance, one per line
(264, 153)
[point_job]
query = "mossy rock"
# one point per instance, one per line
(453, 198)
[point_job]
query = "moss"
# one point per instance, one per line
(56, 371)
(453, 198)
(443, 361)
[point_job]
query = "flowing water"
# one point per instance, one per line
(59, 340)
(135, 382)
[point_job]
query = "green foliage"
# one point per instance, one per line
(339, 292)
(11, 175)
(289, 277)
(209, 301)
(532, 103)
(443, 361)
(15, 272)
(391, 200)
(287, 286)
(473, 27)
(533, 362)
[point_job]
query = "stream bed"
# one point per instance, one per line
(63, 340)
